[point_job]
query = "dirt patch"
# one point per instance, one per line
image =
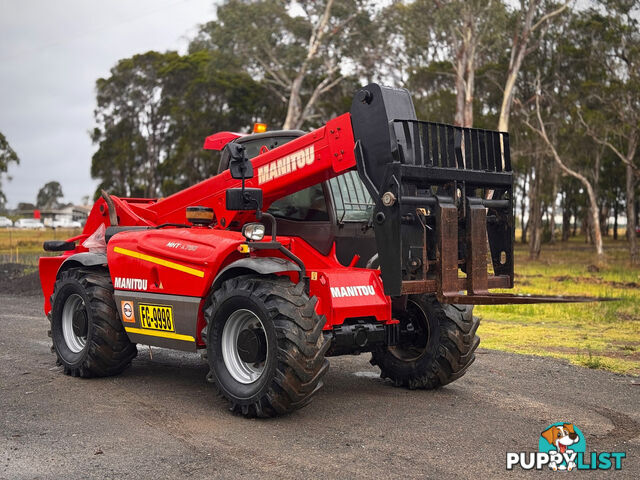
(596, 281)
(610, 353)
(17, 279)
(627, 317)
(624, 427)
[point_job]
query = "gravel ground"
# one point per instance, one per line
(19, 279)
(160, 419)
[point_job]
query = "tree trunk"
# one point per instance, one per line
(469, 88)
(523, 207)
(566, 218)
(615, 220)
(465, 70)
(294, 108)
(535, 213)
(535, 237)
(518, 53)
(631, 170)
(595, 222)
(295, 117)
(554, 195)
(593, 204)
(586, 228)
(631, 217)
(604, 220)
(460, 91)
(517, 56)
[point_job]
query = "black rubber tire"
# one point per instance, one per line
(449, 351)
(108, 350)
(293, 371)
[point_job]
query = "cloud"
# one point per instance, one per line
(51, 54)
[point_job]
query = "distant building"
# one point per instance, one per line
(66, 214)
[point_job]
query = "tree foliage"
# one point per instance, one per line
(570, 70)
(49, 195)
(7, 156)
(154, 111)
(297, 49)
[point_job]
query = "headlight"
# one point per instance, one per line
(253, 231)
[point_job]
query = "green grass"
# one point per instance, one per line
(603, 335)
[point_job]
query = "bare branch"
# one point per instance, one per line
(627, 160)
(279, 80)
(324, 86)
(279, 65)
(542, 131)
(550, 15)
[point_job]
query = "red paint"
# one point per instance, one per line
(217, 141)
(342, 292)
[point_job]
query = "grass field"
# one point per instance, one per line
(595, 335)
(25, 246)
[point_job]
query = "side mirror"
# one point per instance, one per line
(239, 165)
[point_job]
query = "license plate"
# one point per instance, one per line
(157, 317)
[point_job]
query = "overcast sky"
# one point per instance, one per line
(51, 53)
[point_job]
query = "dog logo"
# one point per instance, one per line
(562, 437)
(562, 447)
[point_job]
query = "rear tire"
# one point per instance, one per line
(88, 337)
(440, 350)
(277, 368)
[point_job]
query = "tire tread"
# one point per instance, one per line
(109, 351)
(301, 349)
(454, 354)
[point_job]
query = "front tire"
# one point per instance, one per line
(88, 337)
(438, 343)
(265, 345)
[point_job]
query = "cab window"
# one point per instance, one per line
(307, 205)
(350, 197)
(252, 147)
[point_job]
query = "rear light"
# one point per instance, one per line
(96, 242)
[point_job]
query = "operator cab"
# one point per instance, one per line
(336, 210)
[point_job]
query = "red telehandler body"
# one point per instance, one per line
(360, 236)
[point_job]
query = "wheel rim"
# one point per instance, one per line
(74, 310)
(238, 323)
(413, 348)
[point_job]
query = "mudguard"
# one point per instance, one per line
(261, 265)
(85, 259)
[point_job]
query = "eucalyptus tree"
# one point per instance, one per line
(205, 92)
(301, 50)
(49, 195)
(529, 20)
(7, 156)
(563, 78)
(154, 111)
(452, 39)
(610, 113)
(132, 123)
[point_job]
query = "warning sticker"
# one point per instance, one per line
(127, 312)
